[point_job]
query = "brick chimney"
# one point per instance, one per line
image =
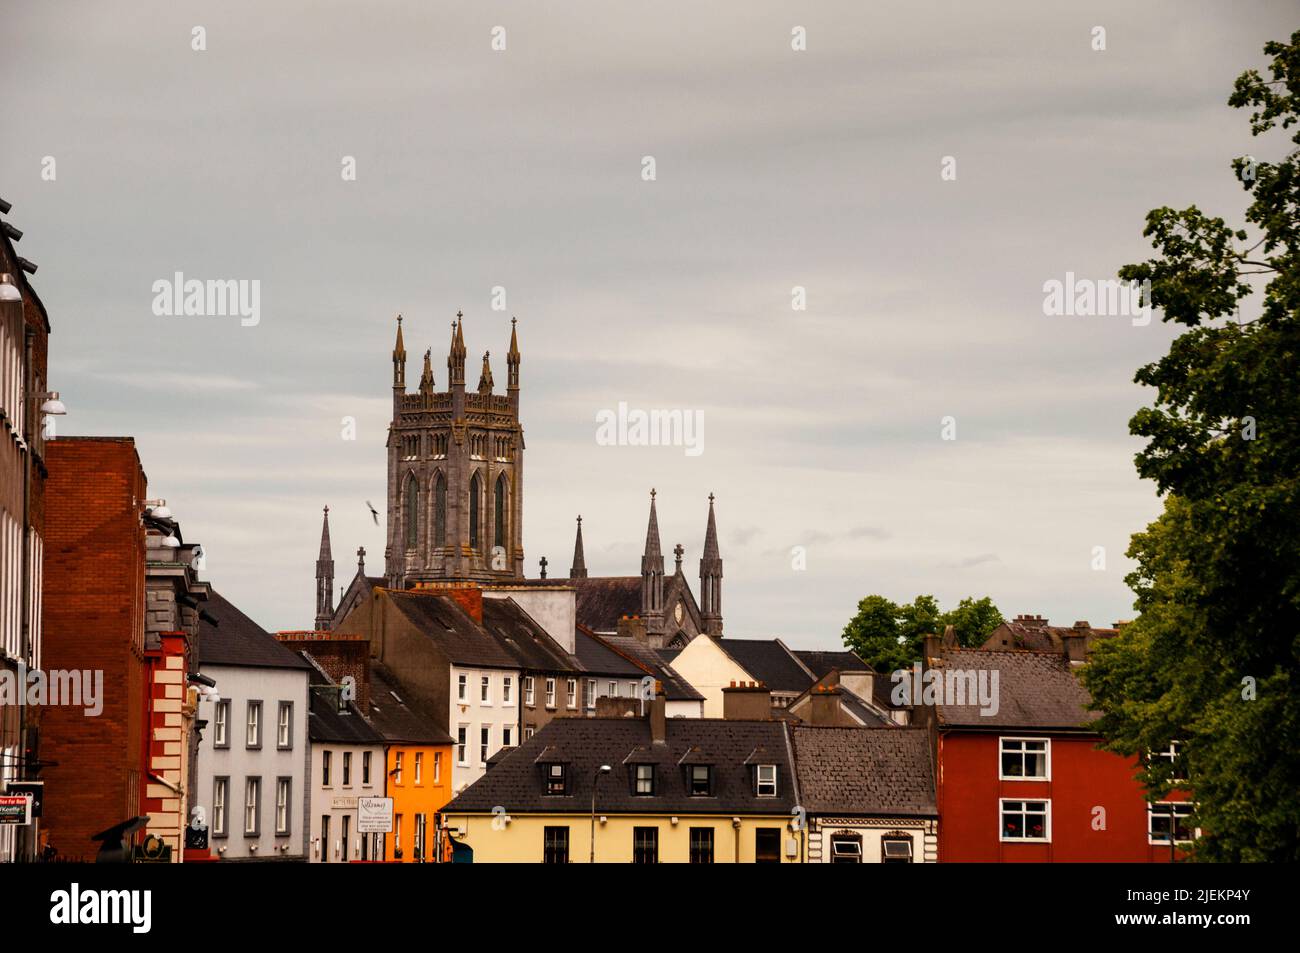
(634, 626)
(747, 701)
(340, 655)
(826, 707)
(1033, 621)
(657, 713)
(1075, 641)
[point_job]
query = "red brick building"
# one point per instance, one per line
(24, 338)
(94, 618)
(1023, 780)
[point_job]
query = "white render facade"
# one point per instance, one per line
(339, 774)
(872, 840)
(483, 717)
(252, 782)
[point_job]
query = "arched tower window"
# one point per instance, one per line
(411, 512)
(475, 502)
(440, 510)
(500, 504)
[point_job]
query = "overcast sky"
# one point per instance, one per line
(478, 168)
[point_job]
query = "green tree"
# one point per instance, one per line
(887, 635)
(1213, 659)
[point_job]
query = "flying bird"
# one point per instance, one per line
(374, 513)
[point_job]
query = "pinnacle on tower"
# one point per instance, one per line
(399, 359)
(485, 378)
(512, 359)
(456, 358)
(426, 379)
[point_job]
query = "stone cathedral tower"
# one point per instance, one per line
(455, 473)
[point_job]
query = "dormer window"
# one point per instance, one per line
(557, 779)
(700, 778)
(765, 780)
(643, 779)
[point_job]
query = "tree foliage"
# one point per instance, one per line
(887, 635)
(1213, 659)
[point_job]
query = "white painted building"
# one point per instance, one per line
(252, 781)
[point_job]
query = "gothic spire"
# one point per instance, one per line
(711, 579)
(652, 579)
(324, 577)
(652, 535)
(579, 568)
(485, 379)
(399, 359)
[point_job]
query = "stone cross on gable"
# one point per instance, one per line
(543, 562)
(677, 551)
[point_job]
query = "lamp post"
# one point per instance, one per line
(595, 782)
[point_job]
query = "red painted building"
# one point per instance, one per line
(1018, 779)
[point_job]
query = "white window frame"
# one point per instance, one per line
(462, 688)
(252, 806)
(437, 767)
(571, 694)
(760, 783)
(1047, 757)
(345, 770)
(1171, 755)
(507, 736)
(613, 689)
(550, 692)
(507, 687)
(220, 806)
(530, 691)
(484, 743)
(485, 690)
(397, 767)
(840, 840)
(221, 725)
(1186, 808)
(462, 745)
(283, 794)
(1047, 823)
(588, 693)
(253, 724)
(419, 767)
(896, 839)
(284, 726)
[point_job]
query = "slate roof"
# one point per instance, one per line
(602, 600)
(525, 640)
(599, 659)
(398, 715)
(239, 641)
(462, 639)
(768, 661)
(865, 771)
(1035, 690)
(326, 723)
(820, 663)
(676, 688)
(586, 743)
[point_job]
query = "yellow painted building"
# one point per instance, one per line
(666, 790)
(525, 838)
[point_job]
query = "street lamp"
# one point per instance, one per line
(595, 782)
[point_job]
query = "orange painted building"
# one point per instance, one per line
(418, 769)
